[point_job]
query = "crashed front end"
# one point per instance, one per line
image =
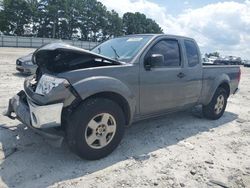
(47, 99)
(40, 105)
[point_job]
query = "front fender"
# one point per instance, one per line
(98, 84)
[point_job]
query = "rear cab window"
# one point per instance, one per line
(192, 53)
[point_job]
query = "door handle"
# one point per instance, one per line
(181, 75)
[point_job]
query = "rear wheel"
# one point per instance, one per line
(97, 127)
(215, 109)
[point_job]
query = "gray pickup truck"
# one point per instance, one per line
(91, 96)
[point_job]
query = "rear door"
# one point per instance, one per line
(193, 71)
(161, 88)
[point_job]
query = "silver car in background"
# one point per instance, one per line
(24, 64)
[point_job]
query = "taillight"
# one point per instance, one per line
(239, 75)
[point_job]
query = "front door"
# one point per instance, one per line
(161, 87)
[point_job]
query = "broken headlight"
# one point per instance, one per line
(47, 83)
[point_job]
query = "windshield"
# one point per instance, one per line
(123, 49)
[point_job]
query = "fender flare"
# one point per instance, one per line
(221, 79)
(99, 84)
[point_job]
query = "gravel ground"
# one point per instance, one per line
(178, 150)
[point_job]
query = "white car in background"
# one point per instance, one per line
(210, 60)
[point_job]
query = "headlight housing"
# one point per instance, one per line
(47, 83)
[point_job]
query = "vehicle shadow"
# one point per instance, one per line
(33, 162)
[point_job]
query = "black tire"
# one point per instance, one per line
(79, 122)
(209, 110)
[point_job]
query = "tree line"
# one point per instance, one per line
(215, 54)
(70, 19)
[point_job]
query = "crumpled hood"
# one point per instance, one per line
(62, 47)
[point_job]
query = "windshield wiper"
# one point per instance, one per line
(117, 56)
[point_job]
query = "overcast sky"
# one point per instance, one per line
(217, 25)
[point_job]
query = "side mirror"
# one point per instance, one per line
(154, 60)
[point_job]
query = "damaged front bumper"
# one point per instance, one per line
(45, 116)
(38, 118)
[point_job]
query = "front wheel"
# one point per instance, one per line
(96, 129)
(215, 109)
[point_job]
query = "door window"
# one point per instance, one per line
(170, 51)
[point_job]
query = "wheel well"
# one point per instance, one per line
(226, 87)
(120, 100)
